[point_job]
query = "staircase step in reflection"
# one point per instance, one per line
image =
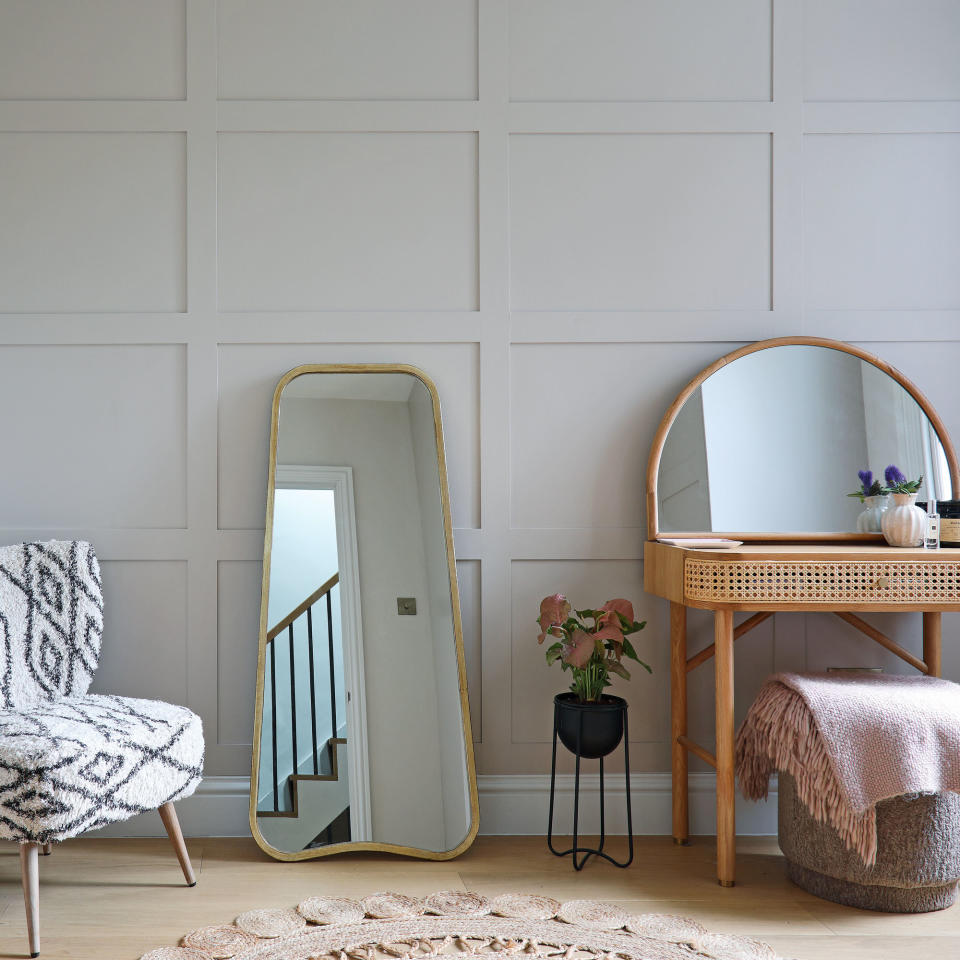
(317, 800)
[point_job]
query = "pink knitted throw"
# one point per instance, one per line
(850, 741)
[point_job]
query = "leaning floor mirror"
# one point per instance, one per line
(361, 732)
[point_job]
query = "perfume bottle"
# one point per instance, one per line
(931, 539)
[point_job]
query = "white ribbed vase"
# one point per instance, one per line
(903, 522)
(873, 510)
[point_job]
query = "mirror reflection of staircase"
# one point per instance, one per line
(309, 784)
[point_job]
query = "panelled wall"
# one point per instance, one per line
(560, 209)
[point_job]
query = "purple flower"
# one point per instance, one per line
(893, 476)
(866, 479)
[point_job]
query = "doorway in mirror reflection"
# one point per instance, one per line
(302, 741)
(309, 745)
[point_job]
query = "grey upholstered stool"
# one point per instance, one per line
(918, 854)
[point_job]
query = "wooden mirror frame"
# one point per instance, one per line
(373, 845)
(656, 449)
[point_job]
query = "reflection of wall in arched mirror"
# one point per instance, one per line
(772, 442)
(785, 436)
(899, 432)
(682, 486)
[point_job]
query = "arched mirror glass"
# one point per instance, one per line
(362, 735)
(771, 442)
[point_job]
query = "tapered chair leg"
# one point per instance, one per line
(30, 873)
(172, 825)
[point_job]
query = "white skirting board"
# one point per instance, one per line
(218, 808)
(509, 806)
(519, 806)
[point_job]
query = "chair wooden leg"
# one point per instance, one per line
(172, 825)
(30, 873)
(47, 849)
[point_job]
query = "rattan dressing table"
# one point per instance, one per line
(845, 579)
(841, 573)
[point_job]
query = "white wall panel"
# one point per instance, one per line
(144, 651)
(330, 221)
(934, 369)
(882, 221)
(583, 417)
(93, 222)
(754, 663)
(951, 649)
(362, 50)
(651, 222)
(105, 428)
(386, 182)
(881, 49)
(92, 49)
(249, 375)
(577, 50)
(238, 633)
(833, 643)
(468, 581)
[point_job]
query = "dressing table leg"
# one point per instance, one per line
(678, 722)
(932, 642)
(726, 784)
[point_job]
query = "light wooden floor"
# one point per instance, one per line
(116, 899)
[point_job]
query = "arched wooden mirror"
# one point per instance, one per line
(362, 729)
(765, 443)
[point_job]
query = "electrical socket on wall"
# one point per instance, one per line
(407, 606)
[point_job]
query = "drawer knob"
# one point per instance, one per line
(881, 584)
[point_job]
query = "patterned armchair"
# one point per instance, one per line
(72, 761)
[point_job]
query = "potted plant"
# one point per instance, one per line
(904, 522)
(874, 498)
(591, 644)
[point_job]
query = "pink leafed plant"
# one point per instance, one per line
(590, 643)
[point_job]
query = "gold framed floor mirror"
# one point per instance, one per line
(362, 736)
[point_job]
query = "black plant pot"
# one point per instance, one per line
(602, 724)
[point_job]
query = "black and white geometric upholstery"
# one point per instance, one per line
(72, 761)
(51, 621)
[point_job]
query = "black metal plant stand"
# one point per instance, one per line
(576, 749)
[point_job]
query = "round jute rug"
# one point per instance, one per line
(454, 925)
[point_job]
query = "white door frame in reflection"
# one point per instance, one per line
(340, 481)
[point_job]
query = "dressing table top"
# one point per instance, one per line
(805, 576)
(816, 551)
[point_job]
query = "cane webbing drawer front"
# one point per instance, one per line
(821, 581)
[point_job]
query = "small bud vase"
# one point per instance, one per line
(873, 511)
(903, 522)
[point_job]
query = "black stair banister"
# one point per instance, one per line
(286, 624)
(333, 678)
(313, 692)
(273, 712)
(293, 699)
(301, 608)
